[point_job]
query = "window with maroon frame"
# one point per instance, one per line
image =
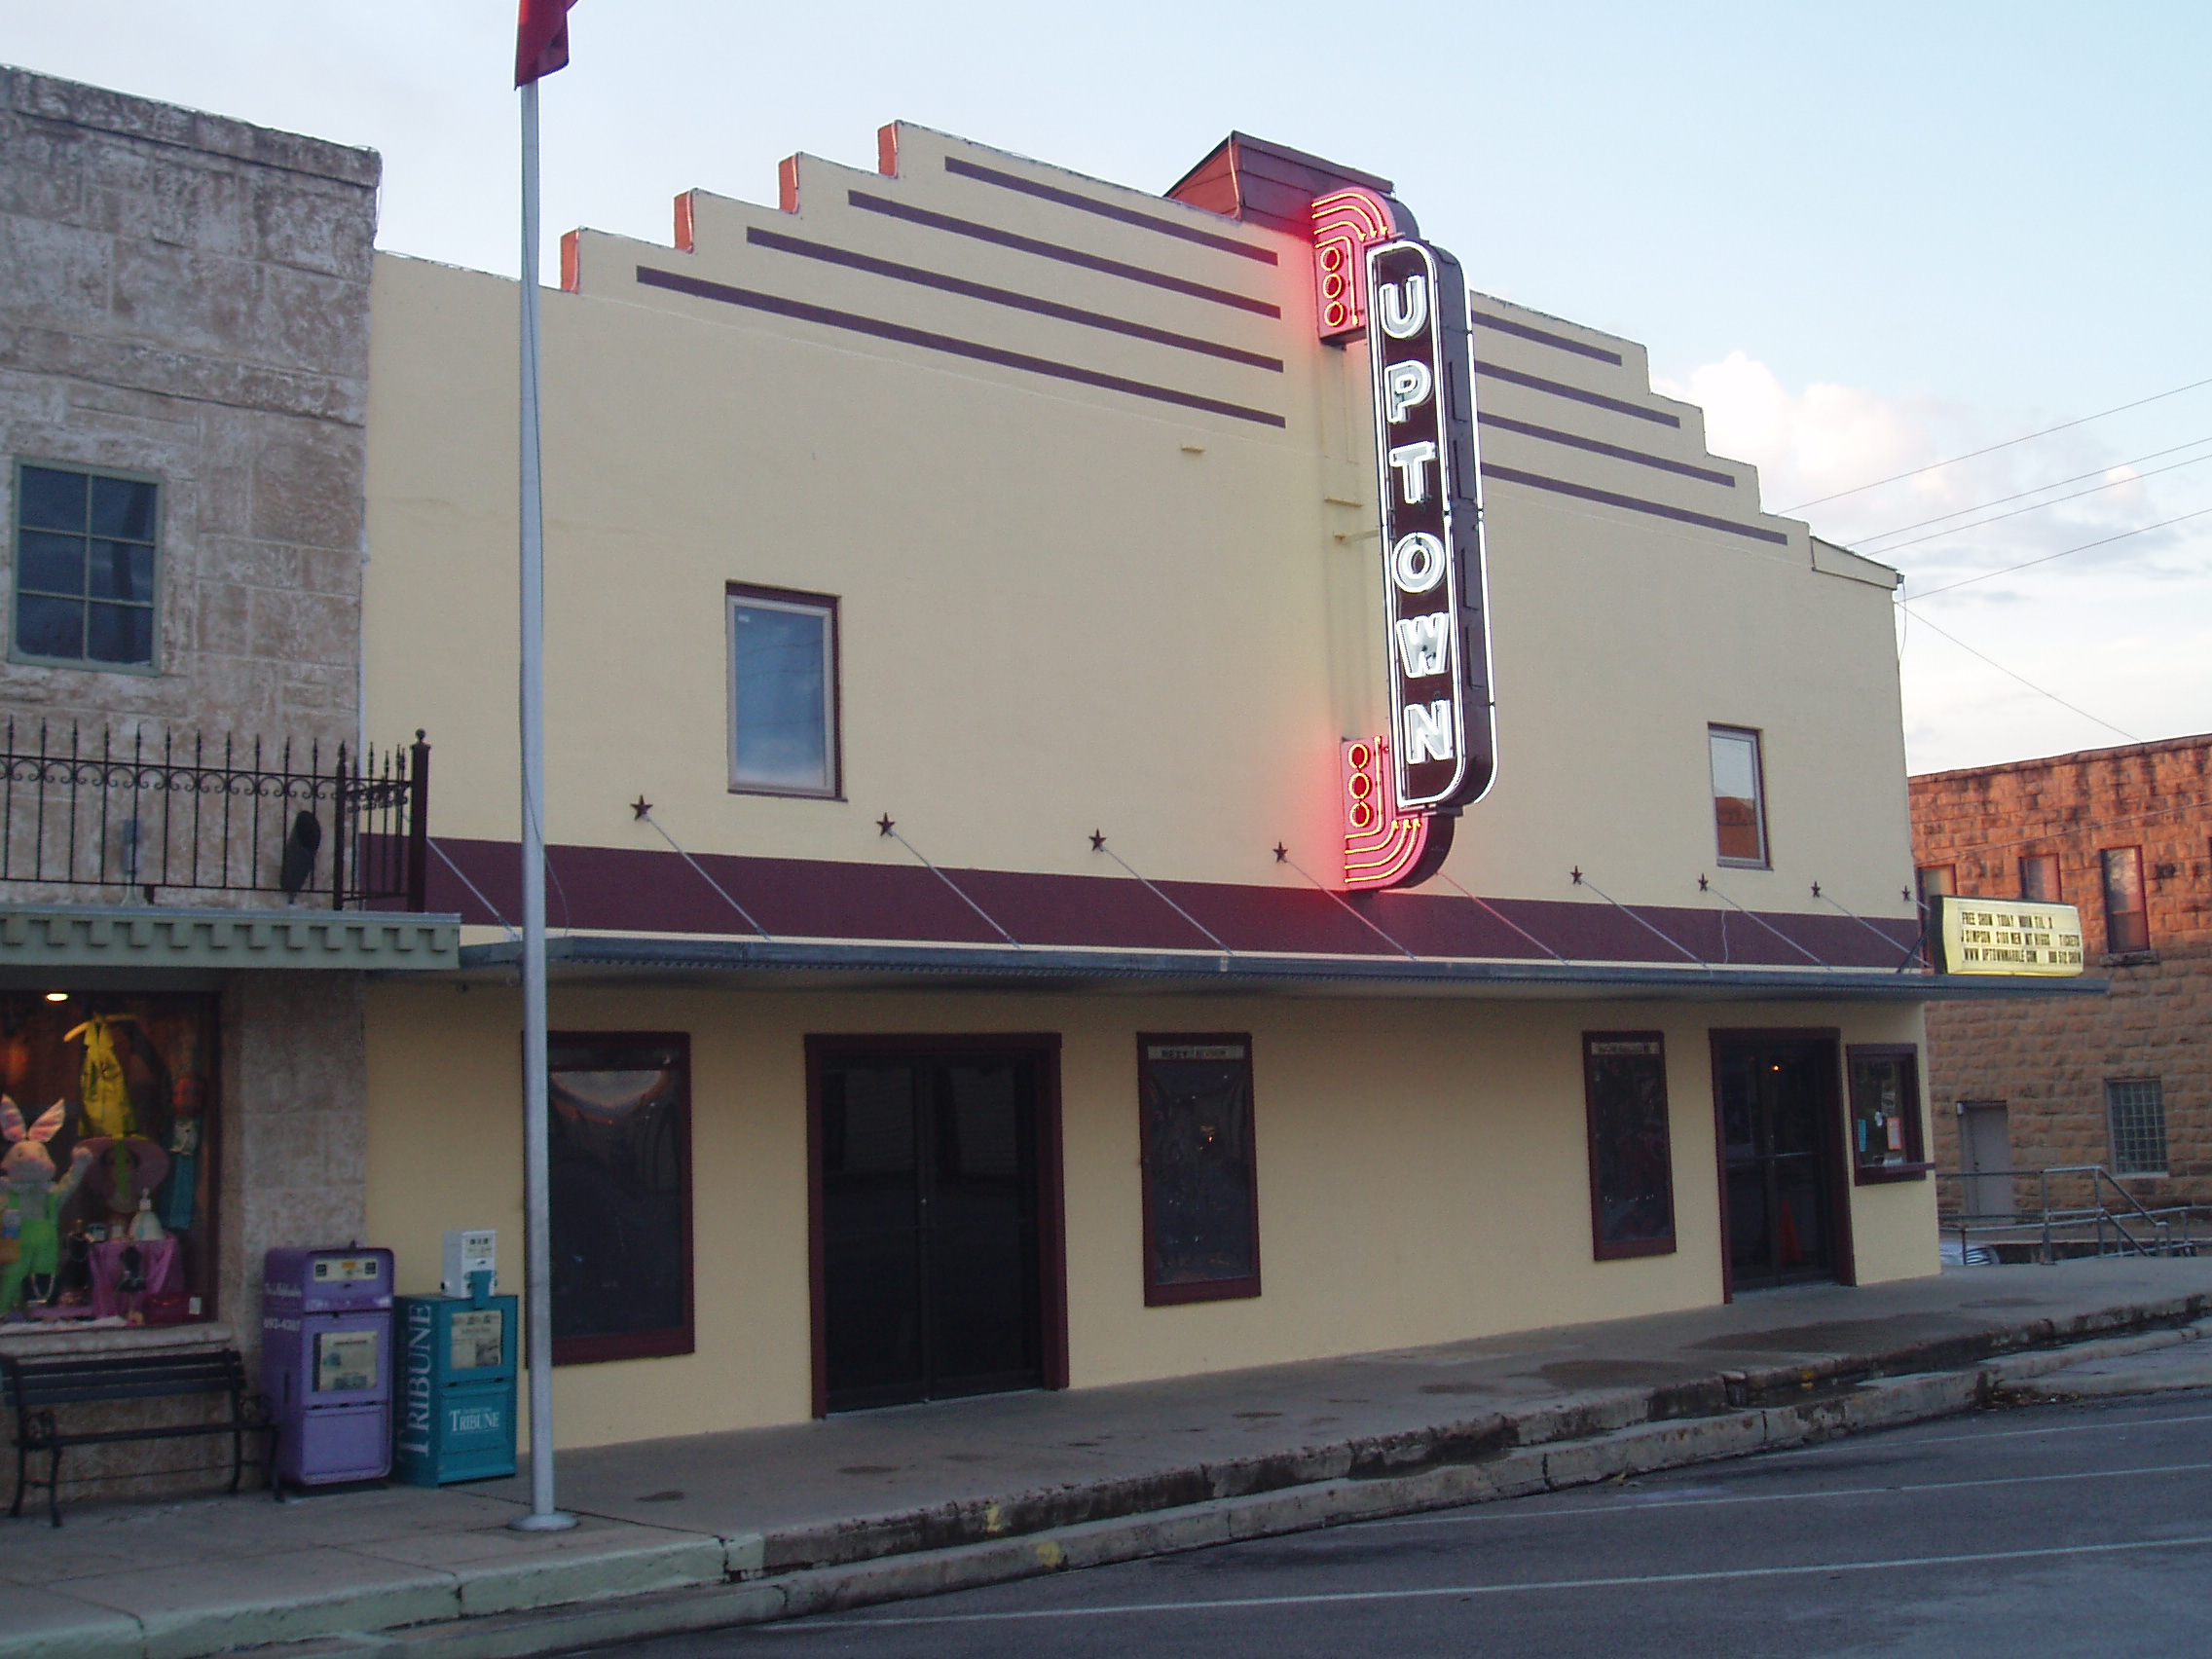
(620, 1134)
(1632, 1172)
(2127, 924)
(1201, 1213)
(1885, 1113)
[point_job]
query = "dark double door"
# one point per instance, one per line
(931, 1266)
(1778, 1128)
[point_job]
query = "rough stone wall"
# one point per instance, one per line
(187, 297)
(294, 1129)
(2049, 1061)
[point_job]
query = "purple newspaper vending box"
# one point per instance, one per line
(326, 1362)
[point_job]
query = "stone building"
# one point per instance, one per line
(184, 322)
(2125, 1081)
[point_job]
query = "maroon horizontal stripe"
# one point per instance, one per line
(945, 343)
(620, 889)
(1560, 342)
(1106, 210)
(1551, 435)
(997, 238)
(1633, 503)
(1595, 399)
(1003, 297)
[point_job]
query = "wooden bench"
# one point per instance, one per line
(35, 1387)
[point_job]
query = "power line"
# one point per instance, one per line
(2063, 553)
(2021, 494)
(2029, 437)
(2021, 678)
(2037, 508)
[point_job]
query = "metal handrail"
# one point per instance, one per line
(2154, 1236)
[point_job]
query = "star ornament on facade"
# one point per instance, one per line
(1097, 840)
(884, 825)
(1282, 853)
(1703, 885)
(640, 807)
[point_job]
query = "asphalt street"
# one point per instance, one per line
(2051, 1529)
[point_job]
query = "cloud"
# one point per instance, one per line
(2119, 631)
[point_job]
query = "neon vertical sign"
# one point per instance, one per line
(1345, 224)
(1442, 741)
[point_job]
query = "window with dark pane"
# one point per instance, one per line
(1631, 1176)
(620, 1160)
(1885, 1112)
(1200, 1192)
(85, 566)
(2127, 925)
(2039, 878)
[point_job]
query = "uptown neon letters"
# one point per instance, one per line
(1442, 743)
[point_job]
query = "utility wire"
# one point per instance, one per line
(2054, 483)
(2063, 553)
(1937, 466)
(2023, 678)
(2035, 507)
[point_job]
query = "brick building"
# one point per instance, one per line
(2123, 1081)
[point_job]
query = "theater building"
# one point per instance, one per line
(1137, 785)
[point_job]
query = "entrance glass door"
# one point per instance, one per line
(1776, 1107)
(930, 1271)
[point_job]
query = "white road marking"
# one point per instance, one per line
(1647, 1505)
(1329, 1598)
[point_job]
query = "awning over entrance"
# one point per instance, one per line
(873, 965)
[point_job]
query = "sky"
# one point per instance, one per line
(1866, 238)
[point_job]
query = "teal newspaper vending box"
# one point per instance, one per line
(455, 1412)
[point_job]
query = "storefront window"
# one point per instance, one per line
(1200, 1194)
(621, 1195)
(1631, 1178)
(1885, 1113)
(106, 1103)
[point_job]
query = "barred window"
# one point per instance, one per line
(2137, 1109)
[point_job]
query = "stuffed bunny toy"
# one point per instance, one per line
(35, 1193)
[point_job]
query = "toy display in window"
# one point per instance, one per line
(101, 1216)
(36, 1194)
(102, 1087)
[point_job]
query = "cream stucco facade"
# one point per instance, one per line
(1097, 510)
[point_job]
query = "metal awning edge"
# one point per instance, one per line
(766, 961)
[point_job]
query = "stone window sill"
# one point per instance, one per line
(38, 1340)
(2132, 958)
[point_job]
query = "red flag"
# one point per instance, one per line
(541, 39)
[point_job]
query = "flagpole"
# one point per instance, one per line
(543, 1517)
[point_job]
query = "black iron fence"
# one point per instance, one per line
(143, 818)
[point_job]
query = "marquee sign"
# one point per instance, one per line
(2007, 936)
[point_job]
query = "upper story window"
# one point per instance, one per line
(1739, 797)
(1937, 880)
(85, 544)
(2127, 925)
(782, 692)
(2039, 878)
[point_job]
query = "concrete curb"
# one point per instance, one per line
(929, 1552)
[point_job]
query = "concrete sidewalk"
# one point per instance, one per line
(732, 1529)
